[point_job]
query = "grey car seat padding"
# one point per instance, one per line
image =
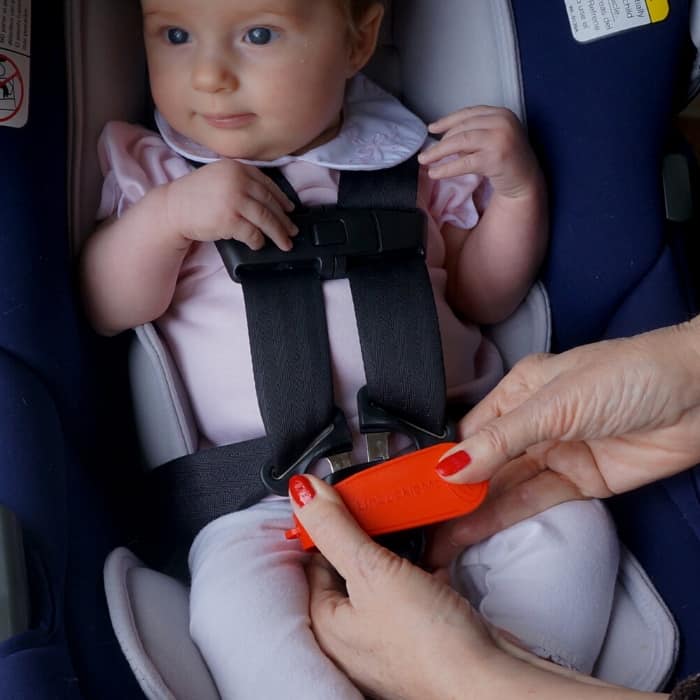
(150, 614)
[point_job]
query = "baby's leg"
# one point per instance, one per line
(249, 610)
(548, 580)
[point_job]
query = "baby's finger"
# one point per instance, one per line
(463, 141)
(468, 164)
(492, 123)
(246, 232)
(268, 221)
(280, 197)
(264, 195)
(451, 120)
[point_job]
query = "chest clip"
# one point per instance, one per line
(331, 239)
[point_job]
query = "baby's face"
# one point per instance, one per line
(253, 79)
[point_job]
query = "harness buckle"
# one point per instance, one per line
(374, 419)
(335, 443)
(330, 239)
(376, 424)
(335, 439)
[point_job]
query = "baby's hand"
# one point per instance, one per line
(488, 141)
(227, 199)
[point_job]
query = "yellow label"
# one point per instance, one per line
(591, 20)
(658, 10)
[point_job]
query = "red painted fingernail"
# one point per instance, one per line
(301, 490)
(453, 464)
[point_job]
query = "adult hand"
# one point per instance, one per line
(391, 626)
(594, 421)
(400, 633)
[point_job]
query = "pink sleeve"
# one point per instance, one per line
(456, 200)
(133, 160)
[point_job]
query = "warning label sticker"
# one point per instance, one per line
(599, 19)
(15, 51)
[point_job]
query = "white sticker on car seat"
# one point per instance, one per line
(599, 19)
(15, 50)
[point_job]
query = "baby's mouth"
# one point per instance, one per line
(229, 121)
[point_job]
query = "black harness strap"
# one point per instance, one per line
(392, 188)
(290, 353)
(182, 496)
(395, 309)
(400, 341)
(291, 358)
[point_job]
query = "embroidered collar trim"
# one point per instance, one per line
(378, 132)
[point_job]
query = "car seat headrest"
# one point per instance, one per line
(454, 53)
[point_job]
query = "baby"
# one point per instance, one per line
(240, 84)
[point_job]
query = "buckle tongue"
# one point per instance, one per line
(377, 447)
(340, 461)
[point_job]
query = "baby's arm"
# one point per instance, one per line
(129, 266)
(491, 267)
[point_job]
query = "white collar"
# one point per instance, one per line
(377, 132)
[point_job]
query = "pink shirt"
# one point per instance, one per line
(205, 327)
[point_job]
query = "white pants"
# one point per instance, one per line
(549, 581)
(249, 610)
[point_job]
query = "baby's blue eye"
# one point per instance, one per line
(178, 36)
(260, 36)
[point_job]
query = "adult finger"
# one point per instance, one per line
(324, 581)
(519, 386)
(480, 455)
(334, 531)
(328, 597)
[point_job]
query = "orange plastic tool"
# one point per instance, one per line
(402, 493)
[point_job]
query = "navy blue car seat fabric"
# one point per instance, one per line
(600, 115)
(49, 456)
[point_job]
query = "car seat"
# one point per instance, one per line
(69, 486)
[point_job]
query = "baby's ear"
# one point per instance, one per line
(364, 41)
